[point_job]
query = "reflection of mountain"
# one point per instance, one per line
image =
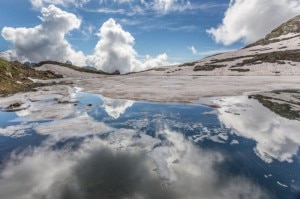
(116, 107)
(285, 103)
(276, 137)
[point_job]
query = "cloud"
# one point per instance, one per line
(8, 55)
(163, 5)
(160, 60)
(115, 51)
(142, 7)
(193, 50)
(123, 165)
(248, 21)
(149, 24)
(166, 6)
(46, 41)
(159, 5)
(116, 1)
(42, 3)
(106, 10)
(88, 31)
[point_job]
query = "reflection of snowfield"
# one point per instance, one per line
(125, 163)
(276, 137)
(44, 104)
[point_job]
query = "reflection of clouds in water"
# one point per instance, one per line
(116, 107)
(117, 167)
(276, 137)
(126, 164)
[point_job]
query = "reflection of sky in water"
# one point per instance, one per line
(91, 146)
(276, 137)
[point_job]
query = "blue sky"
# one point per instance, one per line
(179, 28)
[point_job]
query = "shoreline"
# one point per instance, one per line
(282, 100)
(172, 89)
(183, 89)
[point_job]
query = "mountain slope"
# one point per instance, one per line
(285, 31)
(276, 54)
(15, 76)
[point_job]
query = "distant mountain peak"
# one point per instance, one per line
(287, 30)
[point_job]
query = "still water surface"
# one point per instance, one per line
(89, 146)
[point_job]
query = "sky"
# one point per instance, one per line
(133, 35)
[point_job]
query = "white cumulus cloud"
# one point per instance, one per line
(8, 55)
(47, 40)
(115, 51)
(250, 20)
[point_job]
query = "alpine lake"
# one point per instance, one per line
(71, 144)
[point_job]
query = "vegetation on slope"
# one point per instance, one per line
(15, 77)
(272, 57)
